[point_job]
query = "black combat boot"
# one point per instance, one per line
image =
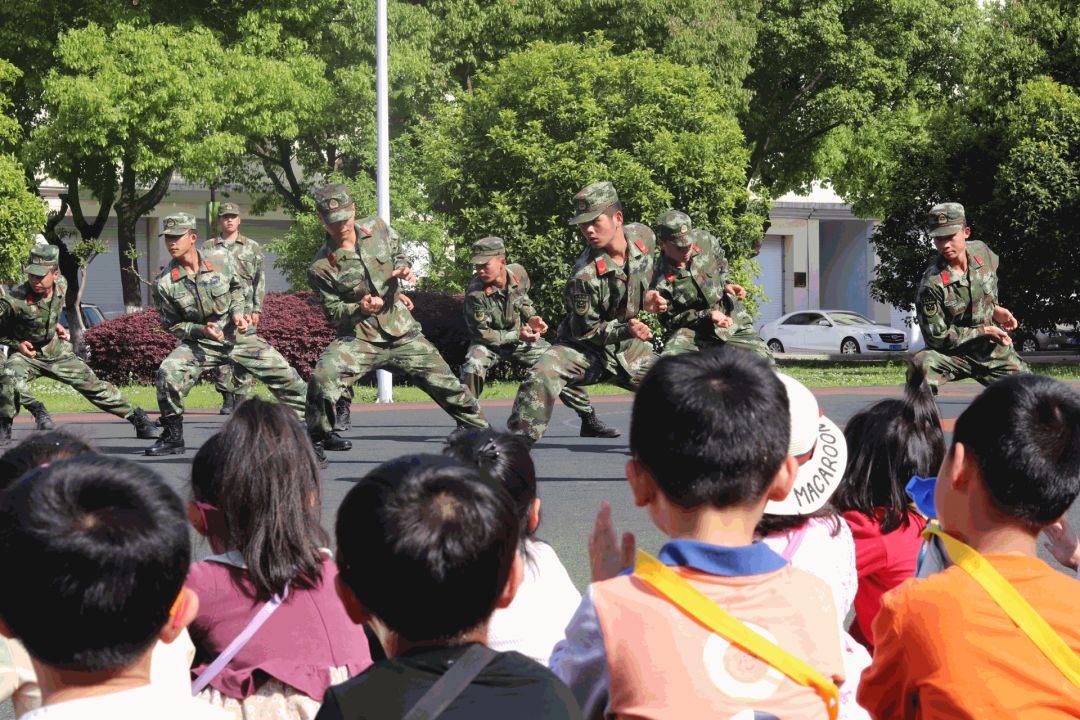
(335, 443)
(5, 431)
(144, 426)
(343, 409)
(41, 416)
(320, 455)
(228, 402)
(171, 441)
(592, 426)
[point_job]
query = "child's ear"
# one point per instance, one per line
(962, 467)
(534, 515)
(356, 612)
(181, 615)
(784, 479)
(642, 484)
(196, 518)
(517, 574)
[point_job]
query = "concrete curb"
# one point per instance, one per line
(1037, 358)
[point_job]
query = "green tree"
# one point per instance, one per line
(22, 214)
(126, 109)
(1005, 142)
(507, 157)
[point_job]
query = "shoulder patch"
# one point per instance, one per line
(175, 274)
(929, 306)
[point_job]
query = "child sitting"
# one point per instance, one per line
(547, 598)
(100, 550)
(890, 441)
(709, 437)
(427, 550)
(944, 646)
(255, 496)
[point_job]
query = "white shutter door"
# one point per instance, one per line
(771, 279)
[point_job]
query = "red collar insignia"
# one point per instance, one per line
(175, 274)
(979, 260)
(601, 266)
(641, 245)
(945, 277)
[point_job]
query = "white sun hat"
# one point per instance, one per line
(818, 446)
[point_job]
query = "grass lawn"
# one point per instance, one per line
(61, 398)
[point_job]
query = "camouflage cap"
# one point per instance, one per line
(228, 208)
(489, 247)
(593, 200)
(674, 227)
(177, 224)
(43, 260)
(946, 219)
(701, 237)
(334, 202)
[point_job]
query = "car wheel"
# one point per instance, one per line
(1028, 344)
(775, 345)
(849, 346)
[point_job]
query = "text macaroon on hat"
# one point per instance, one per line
(820, 449)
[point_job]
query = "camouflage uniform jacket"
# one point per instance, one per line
(601, 297)
(693, 291)
(186, 301)
(248, 262)
(25, 317)
(340, 278)
(494, 315)
(952, 307)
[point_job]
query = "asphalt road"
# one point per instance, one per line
(575, 473)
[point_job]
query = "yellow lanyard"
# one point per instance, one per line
(1012, 602)
(702, 609)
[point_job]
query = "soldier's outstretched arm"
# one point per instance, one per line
(585, 323)
(338, 312)
(937, 331)
(171, 319)
(479, 324)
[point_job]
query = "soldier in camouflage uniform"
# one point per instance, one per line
(693, 295)
(201, 301)
(601, 339)
(233, 382)
(38, 346)
(957, 308)
(23, 398)
(356, 275)
(503, 325)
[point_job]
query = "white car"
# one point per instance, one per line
(831, 331)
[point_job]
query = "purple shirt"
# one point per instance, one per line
(307, 636)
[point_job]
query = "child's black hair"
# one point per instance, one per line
(98, 549)
(37, 449)
(712, 427)
(427, 546)
(889, 442)
(260, 472)
(1024, 434)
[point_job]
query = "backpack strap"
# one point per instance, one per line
(222, 660)
(452, 683)
(703, 610)
(1012, 602)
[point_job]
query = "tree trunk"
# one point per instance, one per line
(129, 209)
(127, 223)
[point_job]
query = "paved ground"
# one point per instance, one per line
(576, 473)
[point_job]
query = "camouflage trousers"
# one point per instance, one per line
(563, 366)
(234, 379)
(348, 359)
(58, 361)
(182, 368)
(480, 358)
(983, 360)
(684, 340)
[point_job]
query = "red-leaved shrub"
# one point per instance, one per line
(129, 348)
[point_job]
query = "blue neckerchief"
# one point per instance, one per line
(754, 559)
(921, 491)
